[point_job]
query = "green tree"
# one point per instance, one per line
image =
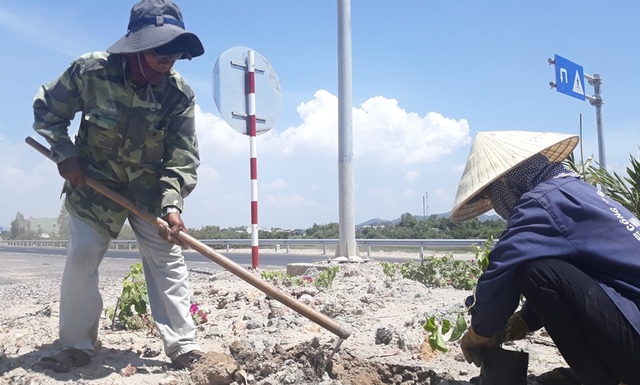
(623, 189)
(275, 234)
(63, 223)
(126, 233)
(21, 228)
(206, 232)
(584, 168)
(327, 231)
(407, 220)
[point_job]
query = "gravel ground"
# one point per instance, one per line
(250, 337)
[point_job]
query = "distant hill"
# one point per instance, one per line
(389, 222)
(375, 222)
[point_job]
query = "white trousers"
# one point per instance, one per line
(167, 285)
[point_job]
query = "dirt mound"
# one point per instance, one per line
(306, 363)
(253, 339)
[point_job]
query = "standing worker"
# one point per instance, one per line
(570, 250)
(137, 137)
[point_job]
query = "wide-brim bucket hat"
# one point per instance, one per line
(493, 154)
(157, 24)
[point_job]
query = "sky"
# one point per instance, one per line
(426, 77)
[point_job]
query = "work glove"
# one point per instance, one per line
(516, 329)
(73, 170)
(176, 225)
(471, 343)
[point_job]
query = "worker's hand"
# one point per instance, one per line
(516, 329)
(175, 226)
(471, 343)
(73, 170)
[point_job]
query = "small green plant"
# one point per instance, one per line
(441, 272)
(482, 253)
(459, 274)
(273, 276)
(389, 269)
(437, 331)
(423, 272)
(131, 309)
(326, 277)
(280, 278)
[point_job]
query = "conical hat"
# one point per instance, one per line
(495, 153)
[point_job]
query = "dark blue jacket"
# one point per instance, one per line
(570, 220)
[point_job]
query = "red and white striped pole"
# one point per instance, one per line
(251, 128)
(239, 109)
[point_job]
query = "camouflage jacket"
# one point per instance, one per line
(140, 143)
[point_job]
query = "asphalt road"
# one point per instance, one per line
(33, 263)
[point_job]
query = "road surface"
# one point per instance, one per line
(33, 263)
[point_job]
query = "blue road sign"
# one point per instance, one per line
(569, 78)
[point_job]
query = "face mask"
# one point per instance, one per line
(506, 191)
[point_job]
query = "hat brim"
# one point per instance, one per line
(151, 37)
(484, 167)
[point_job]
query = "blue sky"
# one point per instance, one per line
(427, 75)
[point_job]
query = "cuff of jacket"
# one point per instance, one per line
(63, 151)
(172, 198)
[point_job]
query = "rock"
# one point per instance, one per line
(383, 336)
(214, 369)
(128, 371)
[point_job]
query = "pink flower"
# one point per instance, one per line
(193, 309)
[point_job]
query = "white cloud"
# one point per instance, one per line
(286, 200)
(383, 132)
(277, 184)
(409, 193)
(318, 131)
(216, 138)
(411, 175)
(31, 183)
(209, 172)
(391, 135)
(300, 163)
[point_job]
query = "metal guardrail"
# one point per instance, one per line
(420, 244)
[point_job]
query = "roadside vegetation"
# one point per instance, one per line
(407, 227)
(624, 189)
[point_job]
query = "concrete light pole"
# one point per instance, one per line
(347, 247)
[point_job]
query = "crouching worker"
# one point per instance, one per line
(570, 250)
(137, 137)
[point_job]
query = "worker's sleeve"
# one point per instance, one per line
(531, 234)
(54, 107)
(181, 158)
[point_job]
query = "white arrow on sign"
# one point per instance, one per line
(564, 78)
